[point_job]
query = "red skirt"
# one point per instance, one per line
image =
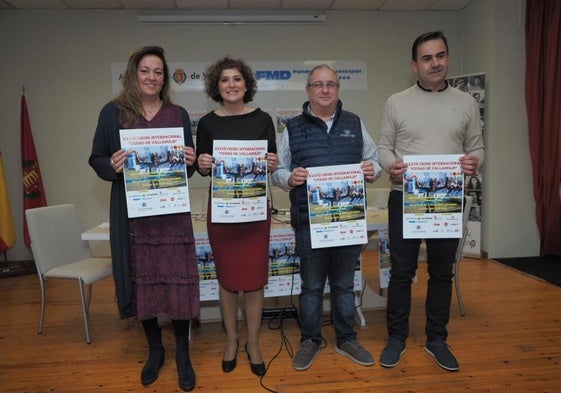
(241, 253)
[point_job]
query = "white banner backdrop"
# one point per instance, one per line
(271, 76)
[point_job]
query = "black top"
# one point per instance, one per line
(255, 125)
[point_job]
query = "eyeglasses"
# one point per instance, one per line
(320, 85)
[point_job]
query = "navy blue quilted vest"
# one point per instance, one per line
(311, 146)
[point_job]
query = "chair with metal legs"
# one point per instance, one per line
(59, 252)
(468, 200)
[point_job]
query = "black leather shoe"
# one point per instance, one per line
(187, 378)
(152, 366)
(230, 365)
(256, 368)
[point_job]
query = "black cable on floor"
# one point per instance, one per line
(285, 342)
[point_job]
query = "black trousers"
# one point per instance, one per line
(404, 255)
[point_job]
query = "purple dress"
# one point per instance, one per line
(163, 264)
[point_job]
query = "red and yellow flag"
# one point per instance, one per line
(7, 228)
(33, 191)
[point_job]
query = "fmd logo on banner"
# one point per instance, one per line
(271, 76)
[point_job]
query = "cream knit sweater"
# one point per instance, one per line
(417, 122)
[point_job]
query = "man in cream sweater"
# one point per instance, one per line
(428, 118)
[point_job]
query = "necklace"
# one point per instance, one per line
(244, 110)
(151, 109)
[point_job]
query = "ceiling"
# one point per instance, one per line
(320, 5)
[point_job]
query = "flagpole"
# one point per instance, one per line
(33, 190)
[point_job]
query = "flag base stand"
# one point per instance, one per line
(16, 268)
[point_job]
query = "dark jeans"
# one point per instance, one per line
(404, 254)
(337, 264)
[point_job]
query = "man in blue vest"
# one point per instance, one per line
(324, 134)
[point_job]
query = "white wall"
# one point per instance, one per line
(64, 58)
(493, 41)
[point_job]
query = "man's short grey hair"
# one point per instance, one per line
(322, 66)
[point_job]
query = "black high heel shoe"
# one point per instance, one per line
(230, 365)
(256, 368)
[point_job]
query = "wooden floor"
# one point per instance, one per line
(509, 341)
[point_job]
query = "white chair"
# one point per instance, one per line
(59, 252)
(465, 219)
